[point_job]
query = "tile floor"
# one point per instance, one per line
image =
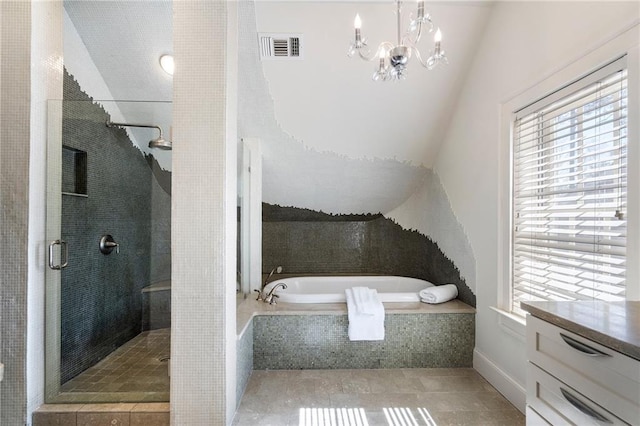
(136, 371)
(410, 397)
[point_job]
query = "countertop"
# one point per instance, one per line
(613, 324)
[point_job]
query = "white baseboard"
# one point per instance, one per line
(509, 388)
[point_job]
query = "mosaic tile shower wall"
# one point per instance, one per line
(308, 242)
(101, 294)
(156, 309)
(320, 341)
(160, 223)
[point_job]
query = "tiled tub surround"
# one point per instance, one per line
(306, 242)
(244, 360)
(314, 336)
(101, 299)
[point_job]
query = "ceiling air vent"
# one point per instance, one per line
(280, 46)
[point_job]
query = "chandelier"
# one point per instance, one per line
(393, 58)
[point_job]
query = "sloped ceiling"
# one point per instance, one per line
(329, 101)
(344, 144)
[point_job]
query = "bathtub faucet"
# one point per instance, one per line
(271, 297)
(261, 296)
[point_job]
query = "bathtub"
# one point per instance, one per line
(321, 289)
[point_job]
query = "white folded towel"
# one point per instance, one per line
(365, 304)
(366, 323)
(439, 294)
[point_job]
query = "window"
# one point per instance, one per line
(570, 191)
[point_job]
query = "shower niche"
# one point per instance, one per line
(74, 171)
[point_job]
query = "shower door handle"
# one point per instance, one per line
(64, 254)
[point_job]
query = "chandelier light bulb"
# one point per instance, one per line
(420, 9)
(357, 23)
(438, 37)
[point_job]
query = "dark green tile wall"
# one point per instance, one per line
(101, 302)
(307, 242)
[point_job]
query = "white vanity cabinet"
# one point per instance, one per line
(573, 380)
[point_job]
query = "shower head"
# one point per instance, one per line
(159, 142)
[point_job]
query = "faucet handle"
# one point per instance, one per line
(273, 299)
(259, 298)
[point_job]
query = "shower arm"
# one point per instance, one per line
(148, 126)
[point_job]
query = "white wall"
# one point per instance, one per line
(429, 212)
(46, 83)
(79, 64)
(524, 42)
(15, 114)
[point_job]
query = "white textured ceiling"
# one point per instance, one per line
(326, 102)
(125, 40)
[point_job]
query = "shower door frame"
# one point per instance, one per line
(53, 277)
(251, 216)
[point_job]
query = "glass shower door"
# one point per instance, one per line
(109, 265)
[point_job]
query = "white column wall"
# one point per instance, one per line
(15, 87)
(203, 220)
(46, 83)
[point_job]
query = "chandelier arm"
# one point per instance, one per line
(407, 35)
(366, 57)
(418, 33)
(385, 45)
(417, 53)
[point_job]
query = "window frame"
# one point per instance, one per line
(530, 135)
(625, 43)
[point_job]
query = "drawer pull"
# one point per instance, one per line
(573, 400)
(579, 346)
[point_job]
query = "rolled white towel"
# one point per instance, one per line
(439, 294)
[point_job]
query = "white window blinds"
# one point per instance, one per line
(569, 192)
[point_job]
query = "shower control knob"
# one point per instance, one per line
(107, 244)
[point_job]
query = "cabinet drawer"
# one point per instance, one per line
(535, 419)
(601, 374)
(561, 404)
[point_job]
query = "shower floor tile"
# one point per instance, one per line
(427, 396)
(138, 370)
